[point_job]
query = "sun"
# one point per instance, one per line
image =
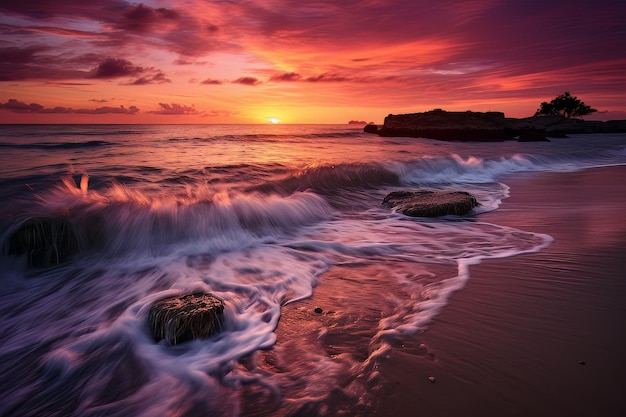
(273, 120)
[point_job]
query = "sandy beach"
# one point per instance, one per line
(534, 335)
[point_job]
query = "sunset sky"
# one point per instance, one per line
(247, 61)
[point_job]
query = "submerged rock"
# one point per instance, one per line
(370, 128)
(46, 241)
(431, 203)
(184, 317)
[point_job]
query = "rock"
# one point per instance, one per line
(370, 128)
(451, 126)
(46, 241)
(490, 126)
(184, 317)
(432, 379)
(532, 136)
(318, 310)
(431, 203)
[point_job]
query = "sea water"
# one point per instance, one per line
(259, 215)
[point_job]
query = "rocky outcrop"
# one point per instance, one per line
(184, 317)
(488, 126)
(431, 203)
(559, 126)
(372, 128)
(443, 125)
(46, 241)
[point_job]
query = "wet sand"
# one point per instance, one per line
(538, 334)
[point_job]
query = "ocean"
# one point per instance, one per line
(259, 215)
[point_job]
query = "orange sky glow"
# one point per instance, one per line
(262, 61)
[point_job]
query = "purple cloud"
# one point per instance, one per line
(44, 9)
(175, 109)
(108, 110)
(115, 68)
(31, 62)
(157, 78)
(142, 18)
(17, 106)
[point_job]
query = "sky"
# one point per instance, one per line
(299, 61)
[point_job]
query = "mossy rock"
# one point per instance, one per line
(46, 241)
(431, 203)
(185, 317)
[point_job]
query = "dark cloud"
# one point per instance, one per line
(156, 78)
(118, 68)
(17, 106)
(142, 18)
(45, 9)
(327, 78)
(288, 76)
(115, 68)
(24, 55)
(31, 62)
(294, 76)
(210, 81)
(175, 109)
(108, 110)
(247, 81)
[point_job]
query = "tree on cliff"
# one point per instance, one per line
(565, 105)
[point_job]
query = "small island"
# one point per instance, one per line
(488, 126)
(556, 118)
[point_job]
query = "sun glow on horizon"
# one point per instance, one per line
(273, 120)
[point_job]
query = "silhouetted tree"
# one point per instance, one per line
(565, 105)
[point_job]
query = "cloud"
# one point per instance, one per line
(210, 81)
(287, 76)
(157, 77)
(115, 68)
(247, 81)
(32, 63)
(108, 110)
(327, 78)
(142, 18)
(16, 106)
(42, 9)
(175, 109)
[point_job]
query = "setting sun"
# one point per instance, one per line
(274, 120)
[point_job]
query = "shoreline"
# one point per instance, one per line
(537, 334)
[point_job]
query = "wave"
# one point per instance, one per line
(332, 179)
(56, 145)
(118, 219)
(271, 137)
